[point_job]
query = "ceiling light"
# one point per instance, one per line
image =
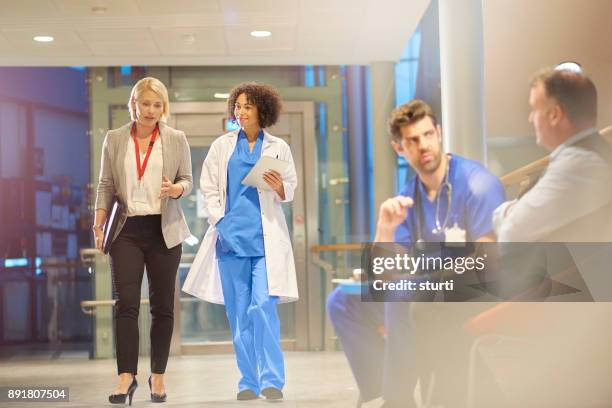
(43, 38)
(569, 66)
(221, 95)
(260, 34)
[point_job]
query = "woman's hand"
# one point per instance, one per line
(275, 181)
(98, 237)
(169, 189)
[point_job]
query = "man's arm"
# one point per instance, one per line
(572, 187)
(391, 214)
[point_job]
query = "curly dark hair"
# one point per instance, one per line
(265, 97)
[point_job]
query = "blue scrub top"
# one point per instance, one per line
(240, 230)
(476, 193)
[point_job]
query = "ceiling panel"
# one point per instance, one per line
(190, 41)
(260, 20)
(344, 6)
(246, 6)
(161, 7)
(5, 46)
(85, 8)
(328, 30)
(20, 9)
(119, 36)
(127, 48)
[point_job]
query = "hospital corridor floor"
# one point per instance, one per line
(314, 379)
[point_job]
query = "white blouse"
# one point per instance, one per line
(151, 181)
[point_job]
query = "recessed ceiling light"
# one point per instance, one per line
(43, 38)
(260, 34)
(221, 95)
(569, 66)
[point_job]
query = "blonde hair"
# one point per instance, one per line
(154, 85)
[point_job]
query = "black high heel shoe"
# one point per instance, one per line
(120, 398)
(156, 397)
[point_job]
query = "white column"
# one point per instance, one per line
(383, 156)
(462, 78)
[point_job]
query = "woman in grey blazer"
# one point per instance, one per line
(146, 166)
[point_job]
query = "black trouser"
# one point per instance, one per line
(141, 244)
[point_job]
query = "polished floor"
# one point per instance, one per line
(314, 379)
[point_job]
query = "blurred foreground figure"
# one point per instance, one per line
(569, 202)
(528, 354)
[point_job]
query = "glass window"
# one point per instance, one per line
(406, 71)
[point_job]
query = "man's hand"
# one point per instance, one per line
(391, 214)
(275, 181)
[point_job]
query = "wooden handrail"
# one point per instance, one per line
(337, 247)
(518, 175)
(326, 266)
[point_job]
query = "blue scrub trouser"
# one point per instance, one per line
(253, 319)
(381, 367)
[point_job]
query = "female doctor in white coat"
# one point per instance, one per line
(246, 259)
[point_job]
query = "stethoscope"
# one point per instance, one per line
(440, 227)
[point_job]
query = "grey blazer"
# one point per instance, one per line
(177, 167)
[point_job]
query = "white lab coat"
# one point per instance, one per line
(203, 280)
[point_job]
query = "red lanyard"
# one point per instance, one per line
(139, 169)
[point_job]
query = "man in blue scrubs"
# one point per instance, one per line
(449, 199)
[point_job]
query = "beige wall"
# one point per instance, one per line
(521, 36)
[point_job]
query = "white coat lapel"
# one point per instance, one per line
(231, 141)
(268, 146)
(232, 137)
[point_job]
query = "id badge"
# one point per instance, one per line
(139, 194)
(454, 235)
